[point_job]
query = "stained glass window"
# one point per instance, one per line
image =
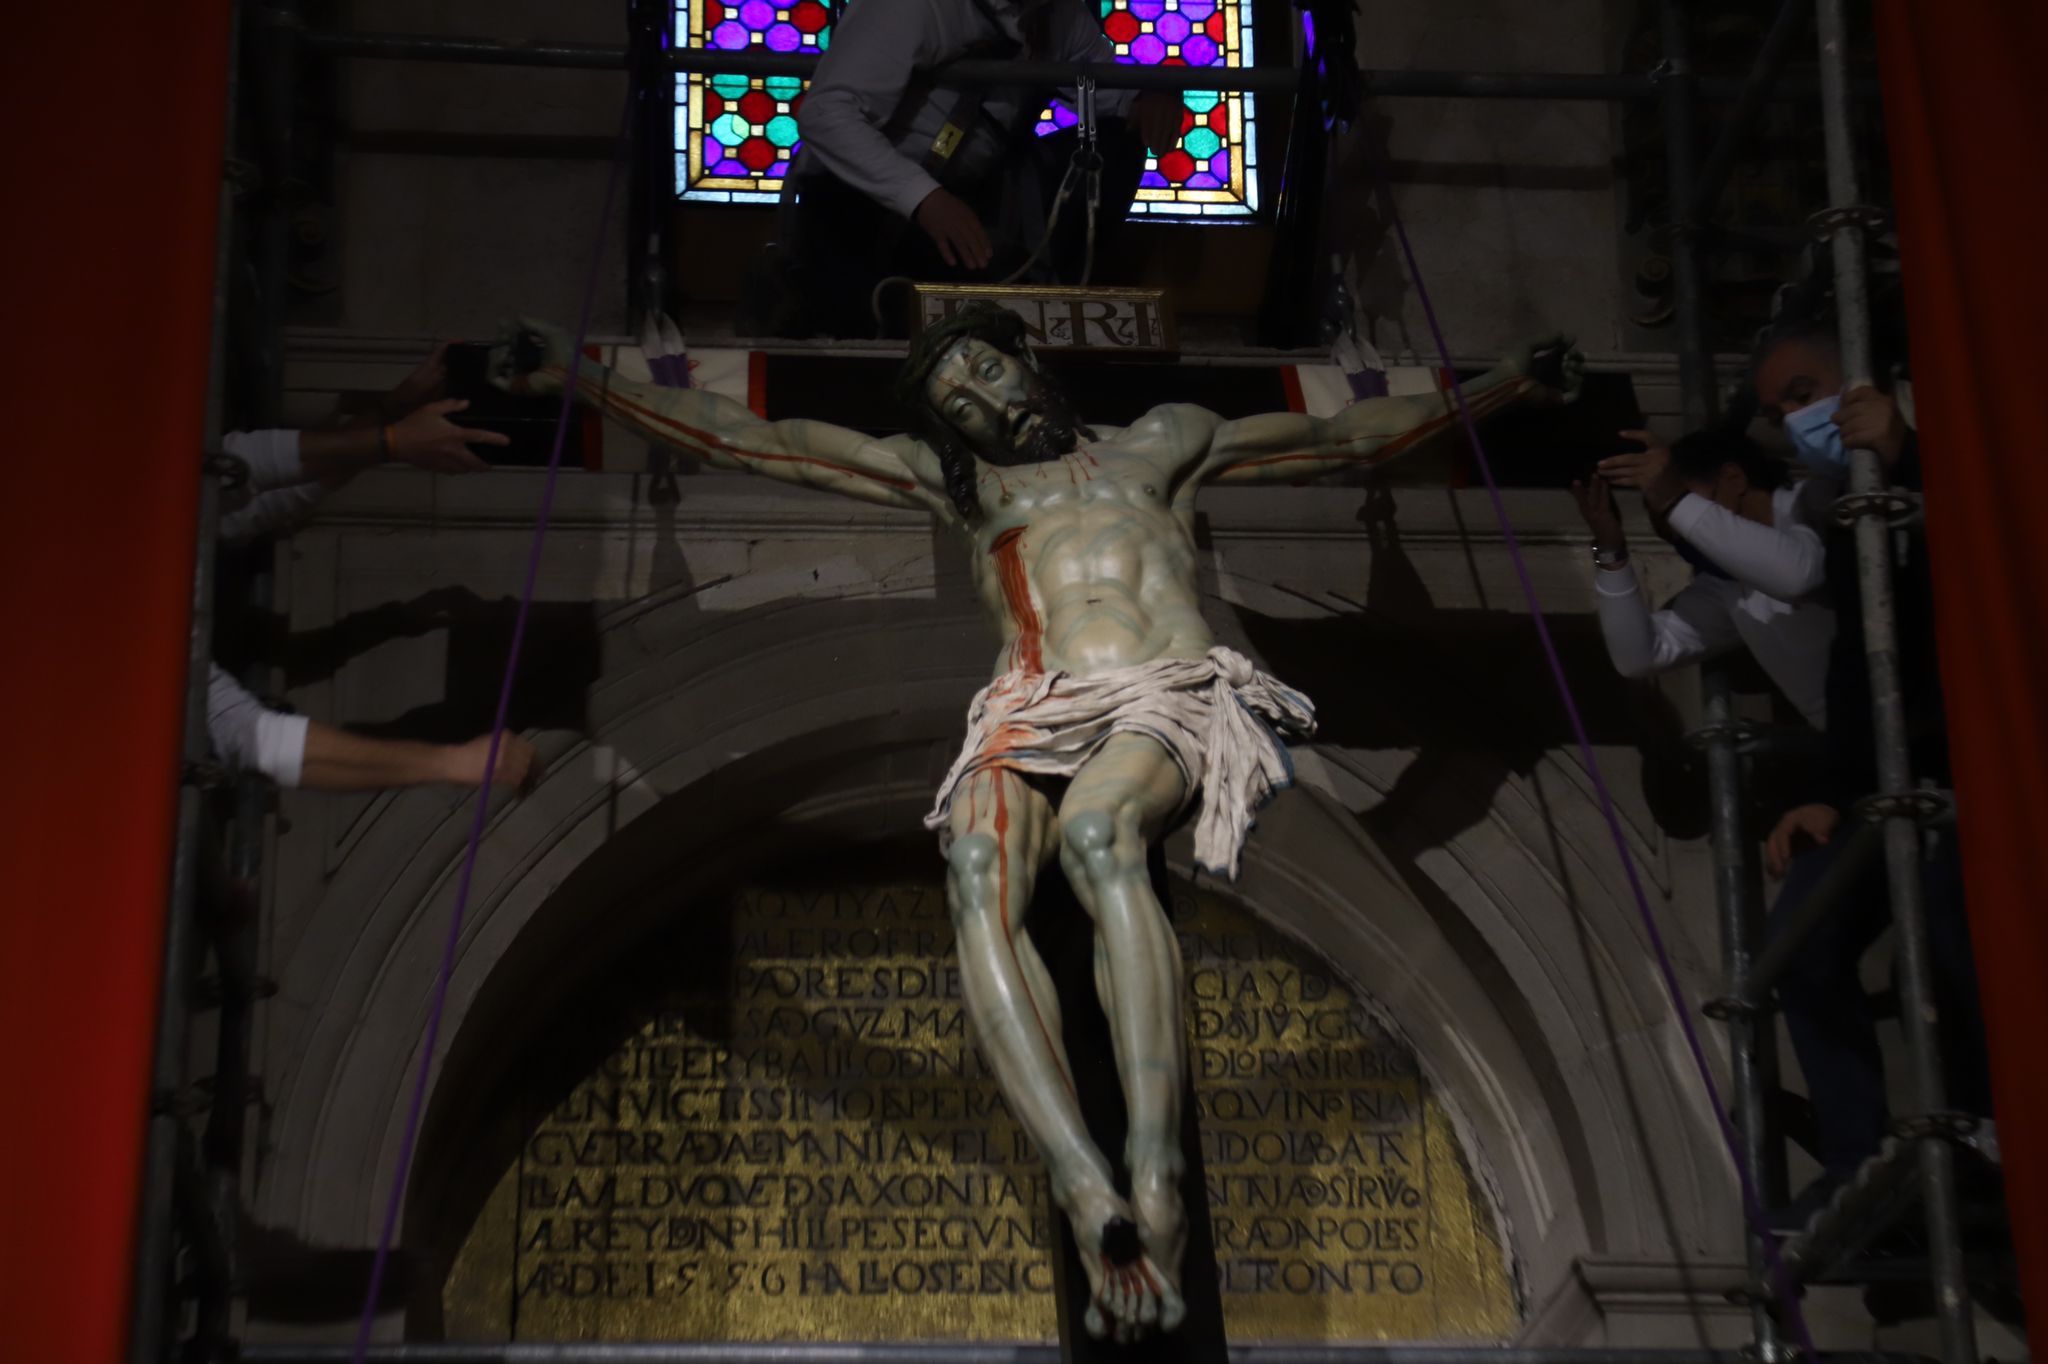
(1214, 172)
(735, 135)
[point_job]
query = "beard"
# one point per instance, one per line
(1049, 430)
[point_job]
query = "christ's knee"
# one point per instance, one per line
(1100, 848)
(973, 882)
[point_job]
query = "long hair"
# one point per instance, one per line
(976, 320)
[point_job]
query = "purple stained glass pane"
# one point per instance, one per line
(778, 170)
(1197, 10)
(1047, 129)
(757, 14)
(1147, 9)
(729, 37)
(1172, 27)
(1200, 50)
(784, 38)
(1152, 180)
(1203, 180)
(731, 167)
(1148, 50)
(1064, 117)
(1219, 166)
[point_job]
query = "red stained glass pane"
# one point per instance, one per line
(714, 15)
(1214, 26)
(1187, 120)
(1121, 26)
(1176, 165)
(1219, 121)
(714, 105)
(810, 16)
(758, 154)
(757, 107)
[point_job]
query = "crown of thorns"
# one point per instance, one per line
(976, 320)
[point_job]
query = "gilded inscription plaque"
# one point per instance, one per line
(802, 1143)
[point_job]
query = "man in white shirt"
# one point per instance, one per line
(289, 472)
(1760, 560)
(884, 150)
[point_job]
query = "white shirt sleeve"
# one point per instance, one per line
(1643, 643)
(245, 734)
(858, 84)
(272, 457)
(1786, 561)
(271, 511)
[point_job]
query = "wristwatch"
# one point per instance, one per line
(1609, 558)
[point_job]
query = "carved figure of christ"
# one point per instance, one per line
(1088, 745)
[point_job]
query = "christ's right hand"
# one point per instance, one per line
(531, 357)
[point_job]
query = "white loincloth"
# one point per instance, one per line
(1214, 714)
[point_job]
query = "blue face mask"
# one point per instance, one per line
(1818, 440)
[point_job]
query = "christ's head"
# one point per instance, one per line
(977, 394)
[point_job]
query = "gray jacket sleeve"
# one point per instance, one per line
(858, 84)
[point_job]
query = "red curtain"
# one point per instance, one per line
(113, 115)
(1966, 119)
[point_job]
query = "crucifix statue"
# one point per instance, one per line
(1112, 710)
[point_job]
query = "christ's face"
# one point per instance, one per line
(999, 406)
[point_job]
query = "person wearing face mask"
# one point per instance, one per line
(1799, 381)
(1717, 497)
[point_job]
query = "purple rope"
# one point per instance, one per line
(483, 800)
(1752, 1203)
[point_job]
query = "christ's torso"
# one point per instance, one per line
(1087, 563)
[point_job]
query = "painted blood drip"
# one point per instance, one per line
(1028, 651)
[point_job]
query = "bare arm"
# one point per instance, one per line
(294, 751)
(898, 472)
(1287, 447)
(336, 760)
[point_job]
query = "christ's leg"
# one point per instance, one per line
(1116, 805)
(1002, 834)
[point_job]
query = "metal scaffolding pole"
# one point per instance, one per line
(1735, 883)
(156, 1231)
(1680, 87)
(1735, 892)
(1894, 769)
(1778, 47)
(1107, 75)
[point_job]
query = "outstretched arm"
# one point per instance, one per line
(1287, 447)
(899, 472)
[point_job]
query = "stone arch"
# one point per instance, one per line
(1502, 952)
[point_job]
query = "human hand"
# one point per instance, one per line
(954, 229)
(531, 357)
(1651, 472)
(1816, 822)
(1603, 518)
(519, 766)
(420, 387)
(1870, 420)
(428, 440)
(1158, 116)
